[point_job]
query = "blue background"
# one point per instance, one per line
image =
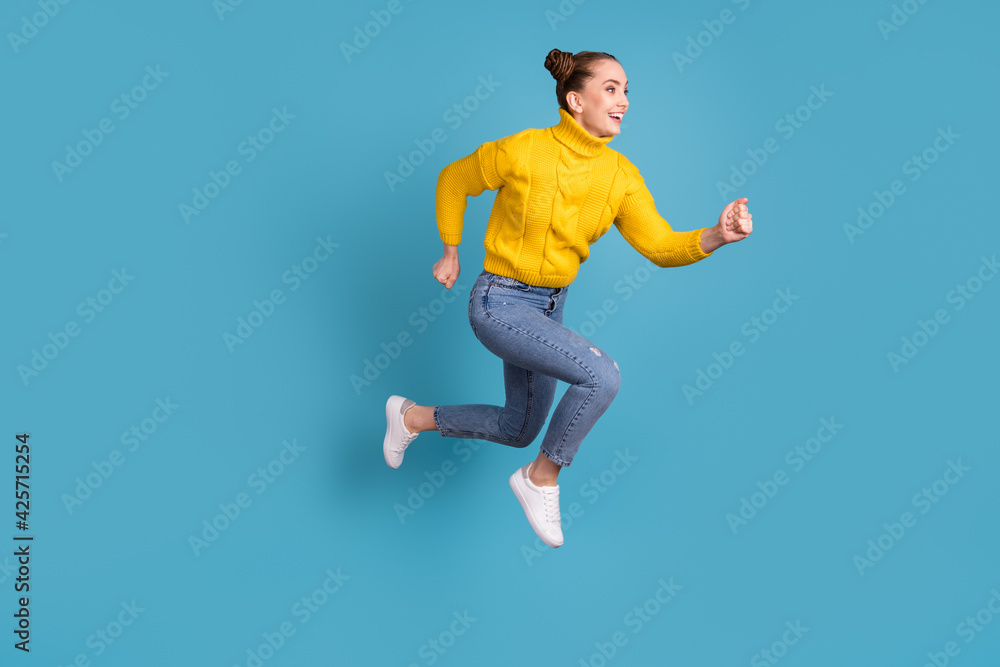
(467, 550)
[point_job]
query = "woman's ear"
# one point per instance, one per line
(574, 102)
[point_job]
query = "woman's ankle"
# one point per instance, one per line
(544, 472)
(419, 418)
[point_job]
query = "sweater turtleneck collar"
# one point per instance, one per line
(572, 134)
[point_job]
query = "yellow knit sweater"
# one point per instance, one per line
(560, 189)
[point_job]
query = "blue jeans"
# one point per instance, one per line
(522, 324)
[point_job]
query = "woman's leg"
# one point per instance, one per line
(544, 471)
(528, 398)
(419, 418)
(523, 326)
(576, 412)
(521, 417)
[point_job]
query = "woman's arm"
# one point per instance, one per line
(710, 240)
(456, 182)
(464, 178)
(649, 233)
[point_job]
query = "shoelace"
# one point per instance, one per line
(550, 498)
(407, 439)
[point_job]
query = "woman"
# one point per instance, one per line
(559, 190)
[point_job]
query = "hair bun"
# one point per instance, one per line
(560, 64)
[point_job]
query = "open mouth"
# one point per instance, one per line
(617, 117)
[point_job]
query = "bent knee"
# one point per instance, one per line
(520, 435)
(606, 378)
(519, 442)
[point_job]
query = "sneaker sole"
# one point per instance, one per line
(515, 485)
(390, 405)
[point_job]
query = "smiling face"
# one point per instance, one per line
(603, 101)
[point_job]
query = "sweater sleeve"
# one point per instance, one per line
(645, 229)
(465, 177)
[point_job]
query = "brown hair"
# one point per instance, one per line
(572, 71)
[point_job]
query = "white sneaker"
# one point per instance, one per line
(540, 504)
(397, 438)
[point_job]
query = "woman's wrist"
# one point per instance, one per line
(710, 240)
(450, 250)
